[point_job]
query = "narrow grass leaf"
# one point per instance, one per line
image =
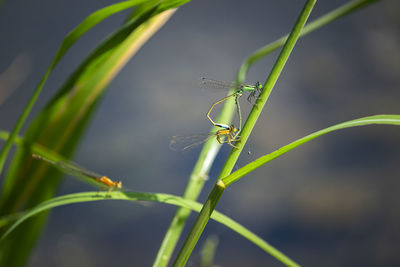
(152, 197)
(377, 119)
(69, 40)
(60, 125)
(316, 24)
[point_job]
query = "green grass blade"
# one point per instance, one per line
(60, 125)
(343, 10)
(216, 193)
(377, 119)
(56, 103)
(153, 197)
(62, 121)
(69, 40)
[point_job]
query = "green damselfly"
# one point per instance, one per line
(253, 89)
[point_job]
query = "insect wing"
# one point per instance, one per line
(185, 143)
(74, 169)
(215, 84)
(69, 168)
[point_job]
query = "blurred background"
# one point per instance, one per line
(332, 202)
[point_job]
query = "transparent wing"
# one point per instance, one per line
(74, 169)
(185, 143)
(215, 84)
(69, 167)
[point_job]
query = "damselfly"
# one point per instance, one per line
(241, 88)
(185, 143)
(77, 171)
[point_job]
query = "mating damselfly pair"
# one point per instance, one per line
(230, 132)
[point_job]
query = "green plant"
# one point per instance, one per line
(25, 193)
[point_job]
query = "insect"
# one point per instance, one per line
(252, 89)
(222, 85)
(75, 170)
(185, 143)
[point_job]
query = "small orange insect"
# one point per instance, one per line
(185, 143)
(75, 170)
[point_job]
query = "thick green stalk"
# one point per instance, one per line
(202, 220)
(267, 89)
(216, 193)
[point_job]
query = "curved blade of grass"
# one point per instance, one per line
(60, 125)
(62, 121)
(153, 197)
(89, 75)
(65, 116)
(10, 182)
(343, 10)
(377, 119)
(91, 21)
